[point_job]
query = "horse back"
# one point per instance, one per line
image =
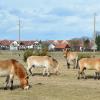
(45, 61)
(72, 55)
(38, 60)
(90, 63)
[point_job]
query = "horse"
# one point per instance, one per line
(10, 68)
(71, 58)
(46, 62)
(90, 64)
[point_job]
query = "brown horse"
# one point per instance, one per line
(91, 64)
(10, 68)
(71, 58)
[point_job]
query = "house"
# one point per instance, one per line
(5, 44)
(57, 45)
(14, 45)
(26, 45)
(37, 45)
(51, 47)
(60, 47)
(76, 45)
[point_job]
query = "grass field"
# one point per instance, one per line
(62, 87)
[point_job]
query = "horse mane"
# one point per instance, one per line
(20, 71)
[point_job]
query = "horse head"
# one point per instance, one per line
(65, 52)
(22, 74)
(24, 83)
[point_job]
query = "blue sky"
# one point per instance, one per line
(48, 19)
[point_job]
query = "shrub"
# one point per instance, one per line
(28, 53)
(84, 55)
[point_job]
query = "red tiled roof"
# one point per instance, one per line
(6, 42)
(27, 43)
(58, 41)
(62, 46)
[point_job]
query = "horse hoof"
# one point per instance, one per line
(78, 78)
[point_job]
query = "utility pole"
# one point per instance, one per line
(19, 32)
(94, 36)
(94, 33)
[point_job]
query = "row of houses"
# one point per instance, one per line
(14, 45)
(53, 45)
(57, 45)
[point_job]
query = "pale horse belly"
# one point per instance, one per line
(4, 72)
(40, 64)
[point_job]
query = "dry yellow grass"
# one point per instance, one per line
(62, 87)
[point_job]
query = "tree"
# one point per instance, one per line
(97, 41)
(86, 43)
(74, 44)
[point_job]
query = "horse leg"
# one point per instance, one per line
(84, 76)
(68, 65)
(80, 72)
(96, 75)
(7, 81)
(47, 71)
(76, 63)
(29, 70)
(11, 81)
(56, 71)
(44, 71)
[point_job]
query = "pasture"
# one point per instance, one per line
(65, 86)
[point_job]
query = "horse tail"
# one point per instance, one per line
(77, 63)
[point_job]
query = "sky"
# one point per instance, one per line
(48, 19)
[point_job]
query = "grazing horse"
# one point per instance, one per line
(71, 58)
(91, 64)
(10, 68)
(42, 61)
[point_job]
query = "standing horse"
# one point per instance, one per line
(42, 61)
(10, 68)
(91, 64)
(71, 58)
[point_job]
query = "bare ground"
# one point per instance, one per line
(65, 86)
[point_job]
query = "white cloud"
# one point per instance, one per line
(62, 17)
